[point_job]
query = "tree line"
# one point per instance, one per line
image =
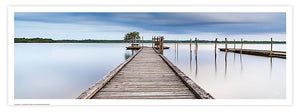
(48, 40)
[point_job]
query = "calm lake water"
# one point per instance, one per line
(64, 71)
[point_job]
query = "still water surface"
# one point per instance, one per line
(63, 71)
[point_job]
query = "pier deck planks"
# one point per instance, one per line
(266, 53)
(147, 76)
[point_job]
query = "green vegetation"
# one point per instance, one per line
(33, 40)
(132, 36)
(47, 40)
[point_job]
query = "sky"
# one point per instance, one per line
(171, 25)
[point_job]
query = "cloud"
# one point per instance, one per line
(102, 25)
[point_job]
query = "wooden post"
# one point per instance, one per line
(152, 41)
(196, 46)
(226, 45)
(190, 45)
(139, 41)
(132, 42)
(234, 45)
(241, 46)
(159, 44)
(216, 41)
(162, 44)
(271, 46)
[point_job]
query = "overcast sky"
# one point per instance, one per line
(181, 26)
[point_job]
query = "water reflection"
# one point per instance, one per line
(271, 66)
(127, 54)
(196, 71)
(233, 72)
(215, 63)
(234, 57)
(190, 61)
(241, 63)
(225, 65)
(177, 54)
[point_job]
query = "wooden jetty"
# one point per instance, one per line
(267, 53)
(145, 75)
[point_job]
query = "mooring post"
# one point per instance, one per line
(241, 46)
(152, 41)
(196, 46)
(190, 45)
(162, 45)
(216, 41)
(234, 45)
(271, 46)
(132, 42)
(139, 41)
(157, 41)
(226, 45)
(159, 44)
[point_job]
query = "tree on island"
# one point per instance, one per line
(133, 36)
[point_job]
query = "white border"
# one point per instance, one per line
(147, 8)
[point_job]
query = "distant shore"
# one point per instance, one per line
(48, 40)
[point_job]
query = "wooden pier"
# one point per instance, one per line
(266, 53)
(145, 75)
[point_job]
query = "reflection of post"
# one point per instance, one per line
(271, 67)
(241, 46)
(196, 72)
(241, 62)
(177, 46)
(215, 63)
(177, 51)
(190, 61)
(226, 58)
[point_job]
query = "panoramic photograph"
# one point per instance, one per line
(150, 55)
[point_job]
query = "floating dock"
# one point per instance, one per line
(266, 53)
(145, 75)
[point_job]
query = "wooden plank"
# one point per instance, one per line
(197, 90)
(146, 76)
(144, 89)
(146, 97)
(99, 84)
(144, 93)
(266, 53)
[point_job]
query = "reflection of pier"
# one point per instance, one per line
(277, 54)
